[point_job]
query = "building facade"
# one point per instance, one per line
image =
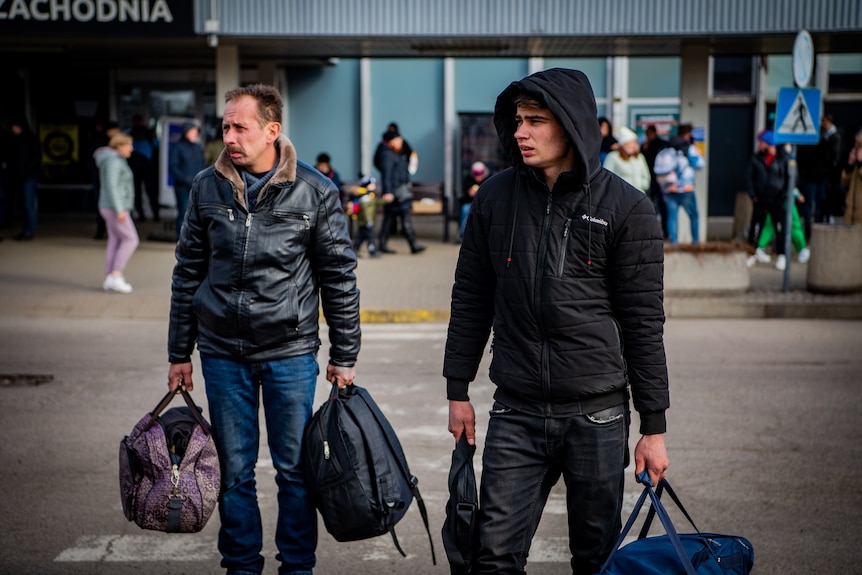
(347, 68)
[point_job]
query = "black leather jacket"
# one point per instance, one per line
(248, 285)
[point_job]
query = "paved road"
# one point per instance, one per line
(764, 442)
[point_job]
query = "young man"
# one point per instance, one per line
(564, 261)
(264, 244)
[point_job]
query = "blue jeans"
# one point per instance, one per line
(462, 220)
(524, 457)
(688, 202)
(233, 391)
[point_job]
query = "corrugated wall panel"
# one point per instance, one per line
(495, 18)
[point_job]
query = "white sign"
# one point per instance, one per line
(803, 59)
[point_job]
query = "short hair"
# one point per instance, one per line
(269, 102)
(118, 140)
(529, 100)
(684, 130)
(323, 158)
(651, 129)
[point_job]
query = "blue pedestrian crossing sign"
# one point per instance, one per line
(797, 116)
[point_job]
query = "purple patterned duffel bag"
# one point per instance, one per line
(169, 469)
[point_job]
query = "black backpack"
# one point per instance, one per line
(355, 469)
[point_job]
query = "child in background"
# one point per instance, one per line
(363, 210)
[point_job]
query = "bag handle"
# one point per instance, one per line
(662, 485)
(189, 401)
(663, 516)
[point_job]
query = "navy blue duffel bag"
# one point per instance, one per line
(674, 554)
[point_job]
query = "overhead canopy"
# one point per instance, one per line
(143, 32)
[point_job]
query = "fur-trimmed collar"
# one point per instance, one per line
(286, 171)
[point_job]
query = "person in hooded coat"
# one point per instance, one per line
(185, 160)
(564, 262)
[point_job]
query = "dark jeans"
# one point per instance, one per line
(811, 209)
(524, 457)
(30, 193)
(391, 212)
(233, 393)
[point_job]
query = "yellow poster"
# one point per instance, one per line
(59, 144)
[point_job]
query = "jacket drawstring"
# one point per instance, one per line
(514, 221)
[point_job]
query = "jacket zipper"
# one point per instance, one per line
(537, 297)
(562, 262)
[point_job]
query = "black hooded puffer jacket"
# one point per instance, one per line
(570, 279)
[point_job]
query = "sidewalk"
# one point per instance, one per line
(60, 274)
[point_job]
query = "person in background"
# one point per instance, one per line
(563, 262)
(652, 145)
(395, 189)
(141, 163)
(213, 148)
(406, 150)
(797, 236)
(609, 143)
(817, 165)
(365, 203)
(324, 166)
(116, 201)
(103, 132)
(627, 162)
(186, 160)
(767, 177)
(851, 178)
(263, 249)
(674, 169)
(25, 164)
(478, 173)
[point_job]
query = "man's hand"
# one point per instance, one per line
(180, 373)
(462, 419)
(651, 454)
(341, 376)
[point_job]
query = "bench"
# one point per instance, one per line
(429, 199)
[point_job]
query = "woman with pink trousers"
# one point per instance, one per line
(116, 200)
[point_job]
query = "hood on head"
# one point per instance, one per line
(570, 98)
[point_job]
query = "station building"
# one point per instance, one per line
(347, 68)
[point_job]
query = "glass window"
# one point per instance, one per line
(654, 77)
(731, 75)
(595, 68)
(779, 74)
(845, 73)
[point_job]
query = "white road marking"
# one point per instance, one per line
(140, 548)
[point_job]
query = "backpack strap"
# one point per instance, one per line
(395, 446)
